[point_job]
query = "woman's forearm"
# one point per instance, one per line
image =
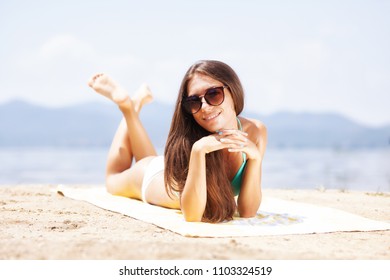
(250, 196)
(194, 196)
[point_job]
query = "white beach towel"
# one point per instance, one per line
(275, 217)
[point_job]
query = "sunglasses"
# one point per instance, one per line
(213, 96)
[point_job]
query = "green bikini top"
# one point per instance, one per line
(237, 180)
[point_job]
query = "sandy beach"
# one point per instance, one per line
(37, 223)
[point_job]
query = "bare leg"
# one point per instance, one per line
(130, 141)
(141, 145)
(106, 86)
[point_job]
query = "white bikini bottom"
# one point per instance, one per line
(154, 168)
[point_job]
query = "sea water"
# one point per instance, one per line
(359, 169)
(367, 169)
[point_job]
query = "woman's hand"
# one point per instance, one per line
(208, 144)
(238, 141)
(231, 139)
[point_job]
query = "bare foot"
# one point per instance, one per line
(142, 96)
(106, 86)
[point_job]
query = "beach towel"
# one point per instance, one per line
(275, 216)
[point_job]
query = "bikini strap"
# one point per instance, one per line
(240, 127)
(239, 123)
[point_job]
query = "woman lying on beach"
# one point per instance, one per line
(210, 156)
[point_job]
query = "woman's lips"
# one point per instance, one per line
(211, 117)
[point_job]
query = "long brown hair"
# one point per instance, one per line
(185, 131)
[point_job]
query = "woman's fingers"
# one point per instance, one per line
(227, 132)
(234, 137)
(236, 141)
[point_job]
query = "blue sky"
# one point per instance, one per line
(313, 56)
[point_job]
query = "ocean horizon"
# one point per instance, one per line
(289, 168)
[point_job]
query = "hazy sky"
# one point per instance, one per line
(316, 56)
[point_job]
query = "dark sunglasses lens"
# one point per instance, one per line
(215, 96)
(192, 105)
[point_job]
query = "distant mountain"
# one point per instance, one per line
(331, 130)
(94, 124)
(89, 124)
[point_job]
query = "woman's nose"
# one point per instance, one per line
(204, 102)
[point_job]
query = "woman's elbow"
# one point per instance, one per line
(247, 213)
(191, 215)
(191, 210)
(191, 218)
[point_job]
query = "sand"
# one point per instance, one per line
(37, 223)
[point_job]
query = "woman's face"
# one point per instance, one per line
(212, 118)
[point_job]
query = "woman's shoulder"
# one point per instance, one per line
(253, 126)
(256, 129)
